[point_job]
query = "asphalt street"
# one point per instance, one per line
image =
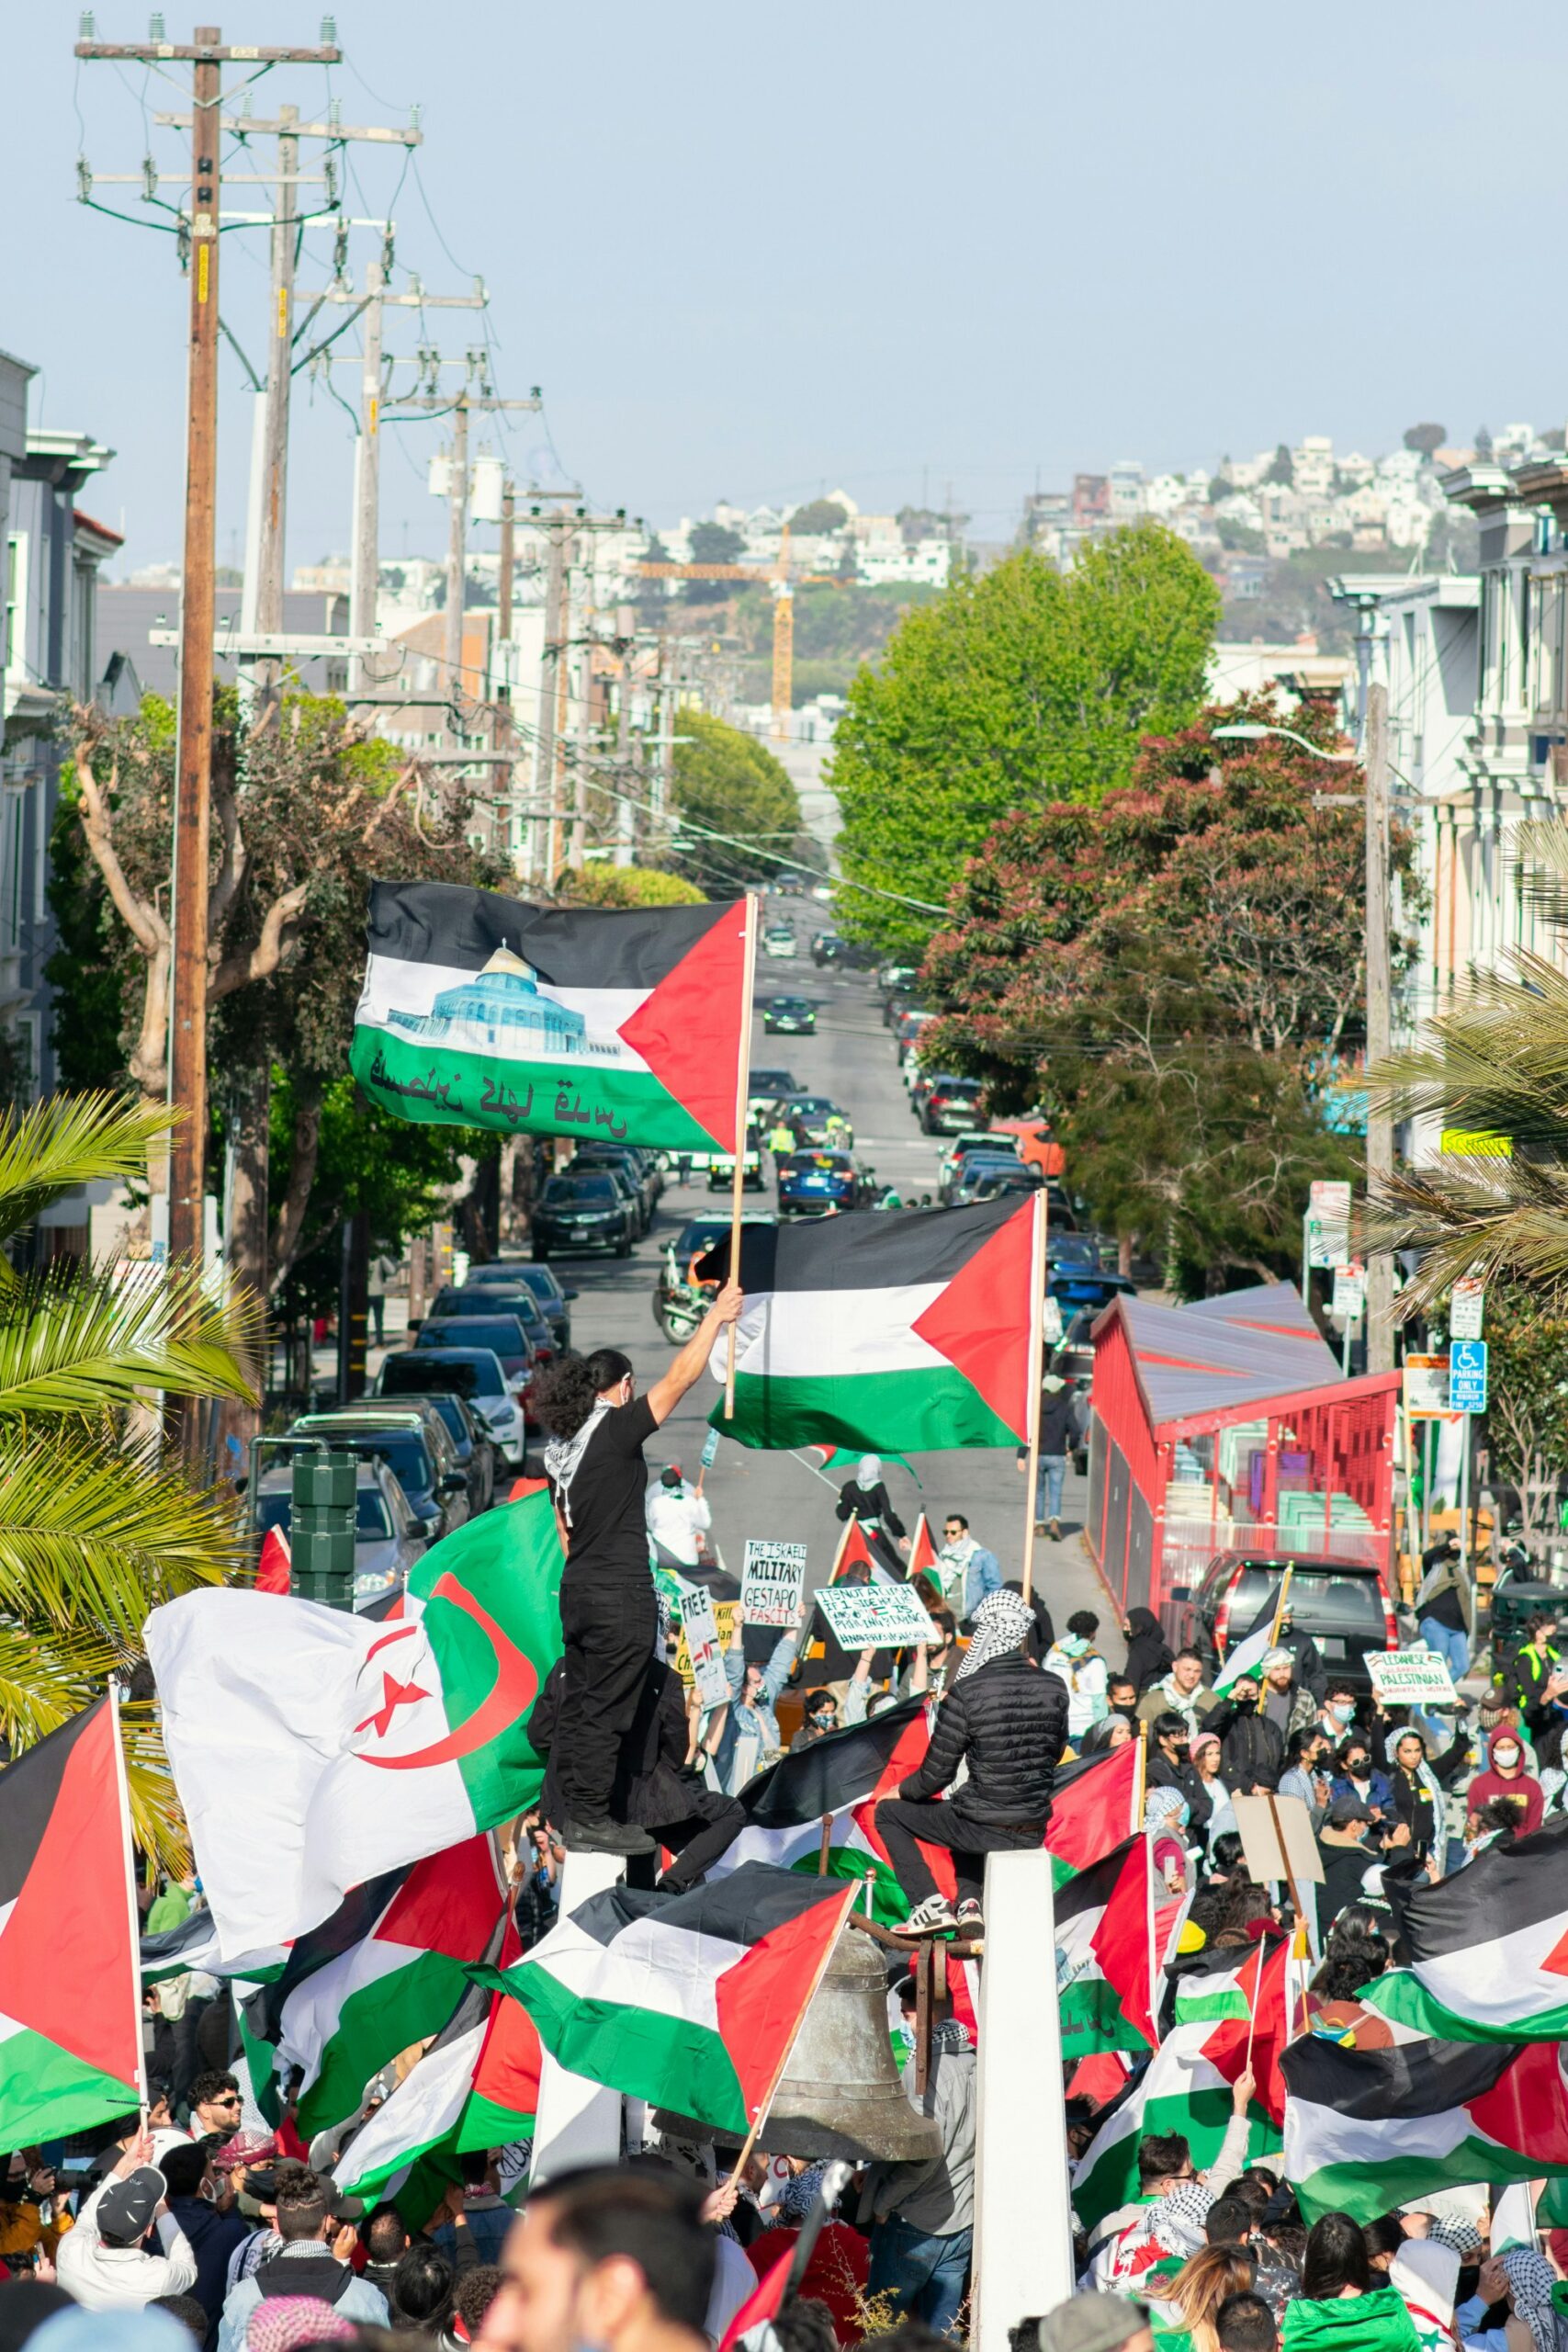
(778, 1496)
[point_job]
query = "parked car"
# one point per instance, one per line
(502, 1334)
(1343, 1604)
(814, 1183)
(581, 1213)
(779, 939)
(419, 1451)
(976, 1138)
(637, 1167)
(389, 1538)
(472, 1440)
(950, 1107)
(512, 1275)
(514, 1298)
(789, 1016)
(553, 1298)
(477, 1376)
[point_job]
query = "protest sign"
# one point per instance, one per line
(1410, 1679)
(1277, 1840)
(875, 1616)
(771, 1582)
(700, 1634)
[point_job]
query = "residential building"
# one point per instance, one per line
(53, 553)
(1128, 495)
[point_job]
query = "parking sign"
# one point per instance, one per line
(1467, 1375)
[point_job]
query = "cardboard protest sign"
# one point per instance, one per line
(875, 1616)
(700, 1632)
(771, 1582)
(1277, 1840)
(1410, 1679)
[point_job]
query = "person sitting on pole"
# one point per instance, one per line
(1007, 1723)
(609, 1617)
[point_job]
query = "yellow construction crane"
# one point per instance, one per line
(783, 588)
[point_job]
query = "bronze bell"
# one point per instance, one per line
(840, 2093)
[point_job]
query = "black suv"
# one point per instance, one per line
(582, 1212)
(1343, 1604)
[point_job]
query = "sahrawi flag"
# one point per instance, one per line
(70, 1999)
(1371, 2127)
(911, 1330)
(1488, 1947)
(689, 2001)
(387, 1969)
(1105, 1953)
(313, 1749)
(553, 1020)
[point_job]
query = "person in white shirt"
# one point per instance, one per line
(104, 2262)
(678, 1519)
(1078, 1665)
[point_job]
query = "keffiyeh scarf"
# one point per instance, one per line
(1000, 1623)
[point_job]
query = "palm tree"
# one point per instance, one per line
(1494, 1067)
(96, 1529)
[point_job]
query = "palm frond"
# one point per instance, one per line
(70, 1139)
(82, 1343)
(157, 1820)
(93, 1534)
(44, 1680)
(1542, 851)
(1487, 1218)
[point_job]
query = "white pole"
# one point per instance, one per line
(122, 1791)
(578, 2122)
(1024, 2240)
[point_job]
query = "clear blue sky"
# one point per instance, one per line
(750, 252)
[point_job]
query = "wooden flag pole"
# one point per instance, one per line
(1036, 1374)
(1279, 1607)
(742, 1092)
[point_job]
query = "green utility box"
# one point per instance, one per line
(321, 1534)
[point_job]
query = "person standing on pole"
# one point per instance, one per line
(609, 1617)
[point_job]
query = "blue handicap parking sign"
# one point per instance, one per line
(1467, 1375)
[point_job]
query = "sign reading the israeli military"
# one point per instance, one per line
(620, 1026)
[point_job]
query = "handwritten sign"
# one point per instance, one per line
(875, 1616)
(1410, 1679)
(700, 1628)
(771, 1582)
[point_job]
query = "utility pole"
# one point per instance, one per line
(280, 379)
(1379, 1020)
(365, 572)
(457, 545)
(552, 671)
(193, 771)
(626, 813)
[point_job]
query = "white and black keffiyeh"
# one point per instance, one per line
(1000, 1623)
(563, 1459)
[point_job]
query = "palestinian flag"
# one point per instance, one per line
(1370, 2128)
(1184, 2090)
(923, 1555)
(1488, 1947)
(1104, 1953)
(848, 1457)
(489, 1012)
(841, 1778)
(70, 1997)
(504, 2096)
(1094, 1806)
(856, 1550)
(385, 1971)
(314, 1751)
(275, 1570)
(911, 1328)
(688, 2001)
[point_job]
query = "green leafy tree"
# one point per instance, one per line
(727, 782)
(820, 516)
(713, 543)
(1527, 1414)
(1014, 689)
(626, 886)
(95, 1530)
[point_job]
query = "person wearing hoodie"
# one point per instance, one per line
(1505, 1777)
(1339, 2309)
(1425, 2272)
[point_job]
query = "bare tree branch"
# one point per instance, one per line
(267, 954)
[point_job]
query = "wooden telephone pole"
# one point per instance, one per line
(207, 56)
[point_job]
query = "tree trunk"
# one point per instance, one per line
(290, 1226)
(245, 1242)
(1125, 1244)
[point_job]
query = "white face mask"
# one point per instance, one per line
(1505, 1757)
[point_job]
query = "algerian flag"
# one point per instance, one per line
(688, 2001)
(490, 1013)
(1370, 2128)
(910, 1331)
(313, 1749)
(1183, 2091)
(387, 1969)
(1104, 1953)
(1488, 1948)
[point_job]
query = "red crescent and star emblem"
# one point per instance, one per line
(510, 1695)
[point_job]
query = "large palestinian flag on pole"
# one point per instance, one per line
(911, 1330)
(1369, 2129)
(384, 1972)
(1488, 1947)
(689, 2001)
(1105, 1953)
(69, 1994)
(490, 1013)
(314, 1749)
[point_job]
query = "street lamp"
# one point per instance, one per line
(1380, 981)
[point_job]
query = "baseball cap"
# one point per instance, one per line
(128, 2203)
(1092, 2324)
(1345, 1810)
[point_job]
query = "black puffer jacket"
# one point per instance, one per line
(1008, 1722)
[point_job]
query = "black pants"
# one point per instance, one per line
(607, 1637)
(901, 1820)
(709, 1829)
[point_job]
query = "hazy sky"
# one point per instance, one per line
(751, 251)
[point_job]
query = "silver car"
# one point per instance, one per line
(388, 1538)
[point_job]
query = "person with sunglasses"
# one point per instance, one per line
(594, 1461)
(214, 2106)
